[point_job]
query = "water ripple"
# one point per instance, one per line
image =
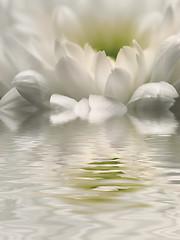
(82, 181)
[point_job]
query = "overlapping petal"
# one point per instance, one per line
(74, 80)
(119, 85)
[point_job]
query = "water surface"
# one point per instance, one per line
(110, 180)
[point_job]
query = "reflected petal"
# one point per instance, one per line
(13, 119)
(63, 117)
(100, 116)
(118, 130)
(12, 100)
(103, 108)
(164, 124)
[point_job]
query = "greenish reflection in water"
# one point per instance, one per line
(103, 180)
(74, 179)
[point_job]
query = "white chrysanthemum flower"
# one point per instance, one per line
(85, 81)
(63, 76)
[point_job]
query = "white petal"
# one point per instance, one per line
(74, 81)
(167, 58)
(149, 56)
(12, 100)
(25, 60)
(118, 85)
(100, 103)
(150, 25)
(141, 73)
(161, 90)
(89, 56)
(74, 51)
(33, 87)
(103, 108)
(70, 49)
(66, 22)
(82, 108)
(102, 70)
(60, 102)
(126, 59)
(8, 71)
(138, 47)
(168, 17)
(59, 50)
(41, 48)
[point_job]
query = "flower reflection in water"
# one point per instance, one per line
(78, 177)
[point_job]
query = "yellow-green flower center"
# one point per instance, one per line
(111, 45)
(110, 37)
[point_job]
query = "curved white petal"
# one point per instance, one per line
(66, 23)
(41, 48)
(142, 71)
(74, 51)
(74, 81)
(161, 90)
(100, 103)
(150, 26)
(168, 17)
(70, 49)
(103, 108)
(22, 59)
(60, 102)
(118, 85)
(138, 47)
(126, 59)
(59, 50)
(33, 87)
(7, 70)
(166, 60)
(89, 56)
(102, 70)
